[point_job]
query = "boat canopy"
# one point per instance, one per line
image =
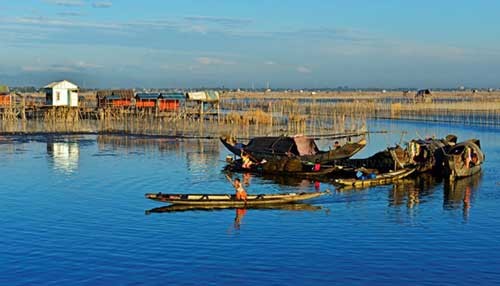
(473, 145)
(297, 145)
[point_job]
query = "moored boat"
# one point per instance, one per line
(464, 159)
(426, 155)
(285, 168)
(230, 199)
(380, 179)
(302, 147)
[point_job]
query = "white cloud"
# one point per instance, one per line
(44, 21)
(85, 65)
(223, 21)
(78, 66)
(213, 61)
(68, 3)
(102, 4)
(303, 69)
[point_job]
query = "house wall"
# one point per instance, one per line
(5, 100)
(60, 97)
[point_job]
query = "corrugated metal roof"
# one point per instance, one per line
(144, 95)
(123, 93)
(172, 95)
(63, 82)
(113, 97)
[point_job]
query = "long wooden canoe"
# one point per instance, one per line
(381, 179)
(230, 200)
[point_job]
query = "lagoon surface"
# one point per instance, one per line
(74, 213)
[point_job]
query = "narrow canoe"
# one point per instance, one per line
(230, 200)
(381, 179)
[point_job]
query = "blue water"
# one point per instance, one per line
(74, 213)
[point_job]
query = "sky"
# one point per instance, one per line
(251, 43)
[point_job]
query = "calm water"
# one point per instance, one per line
(74, 213)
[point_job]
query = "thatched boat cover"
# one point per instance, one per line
(298, 145)
(4, 89)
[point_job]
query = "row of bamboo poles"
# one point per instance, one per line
(254, 115)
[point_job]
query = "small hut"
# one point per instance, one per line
(117, 98)
(171, 101)
(5, 98)
(423, 93)
(162, 101)
(61, 93)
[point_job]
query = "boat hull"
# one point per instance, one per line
(230, 200)
(382, 179)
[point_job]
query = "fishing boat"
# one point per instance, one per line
(464, 159)
(299, 146)
(284, 207)
(380, 179)
(277, 167)
(426, 155)
(230, 199)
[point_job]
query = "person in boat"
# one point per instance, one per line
(336, 145)
(246, 161)
(241, 193)
(317, 166)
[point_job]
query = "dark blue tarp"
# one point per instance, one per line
(177, 96)
(147, 95)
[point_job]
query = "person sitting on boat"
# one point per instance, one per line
(336, 145)
(317, 166)
(246, 161)
(241, 194)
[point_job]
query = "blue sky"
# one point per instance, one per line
(240, 43)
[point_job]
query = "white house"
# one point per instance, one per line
(61, 93)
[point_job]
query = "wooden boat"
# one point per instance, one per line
(271, 168)
(304, 148)
(426, 155)
(284, 207)
(230, 200)
(464, 159)
(380, 179)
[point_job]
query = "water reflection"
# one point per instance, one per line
(283, 207)
(130, 144)
(64, 156)
(456, 194)
(411, 191)
(459, 193)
